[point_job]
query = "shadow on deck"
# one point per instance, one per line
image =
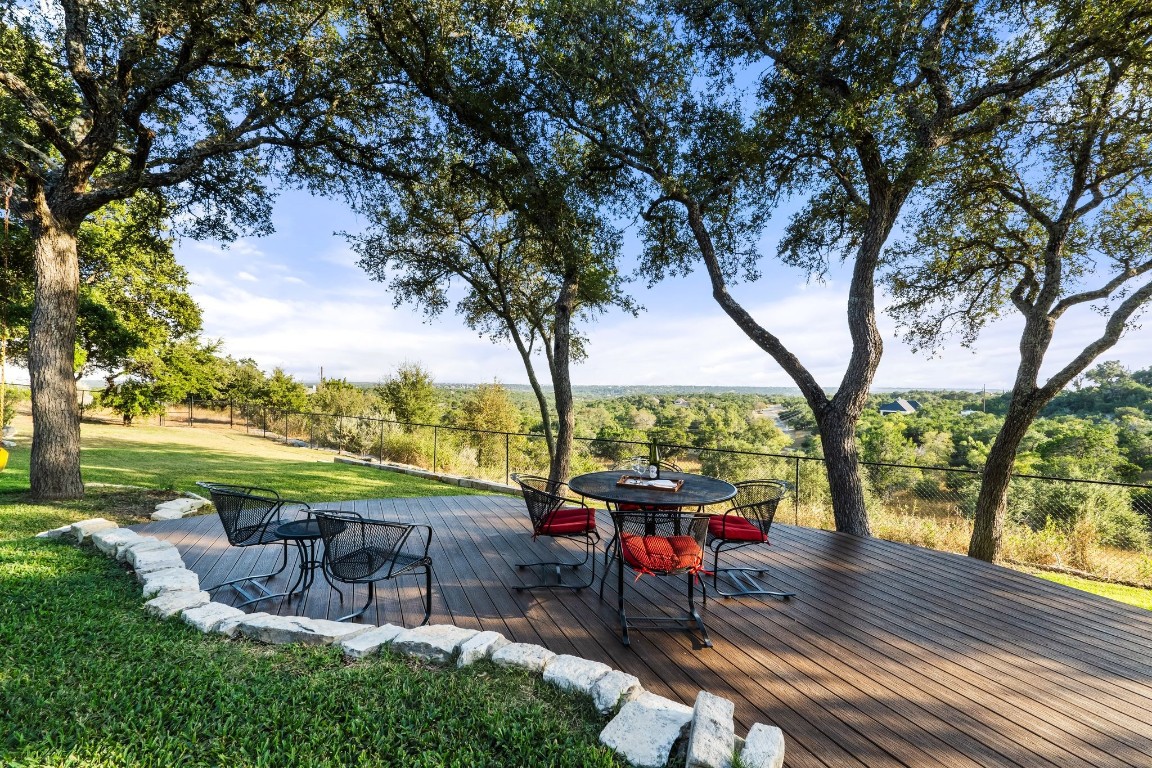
(889, 655)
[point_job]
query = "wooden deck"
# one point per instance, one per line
(890, 655)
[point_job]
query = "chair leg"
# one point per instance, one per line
(368, 602)
(589, 549)
(746, 586)
(693, 613)
(620, 603)
(427, 594)
(263, 592)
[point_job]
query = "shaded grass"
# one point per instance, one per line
(86, 678)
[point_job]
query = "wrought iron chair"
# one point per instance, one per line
(250, 516)
(359, 550)
(746, 523)
(661, 544)
(558, 517)
(665, 466)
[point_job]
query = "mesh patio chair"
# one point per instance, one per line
(359, 550)
(555, 516)
(745, 524)
(659, 544)
(665, 466)
(250, 516)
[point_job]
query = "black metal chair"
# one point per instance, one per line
(745, 524)
(656, 543)
(250, 516)
(558, 517)
(359, 550)
(665, 466)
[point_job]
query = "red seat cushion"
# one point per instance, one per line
(566, 522)
(734, 528)
(655, 554)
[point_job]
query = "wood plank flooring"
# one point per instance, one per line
(889, 655)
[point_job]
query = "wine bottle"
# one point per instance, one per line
(653, 461)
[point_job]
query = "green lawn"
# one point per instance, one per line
(1141, 598)
(175, 458)
(87, 679)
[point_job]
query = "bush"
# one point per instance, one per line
(1123, 529)
(407, 448)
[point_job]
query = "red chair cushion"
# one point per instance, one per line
(734, 528)
(566, 522)
(655, 554)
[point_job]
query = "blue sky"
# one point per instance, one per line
(296, 299)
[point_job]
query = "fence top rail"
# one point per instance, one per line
(788, 456)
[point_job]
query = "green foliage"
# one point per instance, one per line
(284, 393)
(12, 397)
(411, 395)
(489, 409)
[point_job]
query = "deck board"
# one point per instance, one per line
(889, 655)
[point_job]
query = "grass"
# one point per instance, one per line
(87, 679)
(174, 458)
(1141, 598)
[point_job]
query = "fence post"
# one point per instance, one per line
(507, 457)
(189, 410)
(381, 441)
(264, 419)
(435, 445)
(796, 496)
(312, 430)
(286, 427)
(230, 424)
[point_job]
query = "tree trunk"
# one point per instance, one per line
(541, 397)
(842, 464)
(562, 381)
(55, 462)
(992, 503)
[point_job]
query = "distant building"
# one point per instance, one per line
(680, 401)
(899, 406)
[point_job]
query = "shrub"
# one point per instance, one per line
(1123, 529)
(407, 448)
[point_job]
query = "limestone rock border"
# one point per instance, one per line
(645, 729)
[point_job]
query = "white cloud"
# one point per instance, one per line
(247, 276)
(294, 281)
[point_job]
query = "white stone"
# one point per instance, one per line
(144, 542)
(523, 655)
(183, 504)
(56, 533)
(645, 730)
(231, 627)
(85, 528)
(764, 747)
(145, 546)
(370, 642)
(168, 514)
(480, 646)
(171, 603)
(713, 735)
(298, 629)
(108, 541)
(155, 560)
(572, 673)
(207, 617)
(435, 642)
(614, 689)
(170, 580)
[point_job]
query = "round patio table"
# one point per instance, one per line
(697, 491)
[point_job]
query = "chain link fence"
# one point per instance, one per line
(1092, 528)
